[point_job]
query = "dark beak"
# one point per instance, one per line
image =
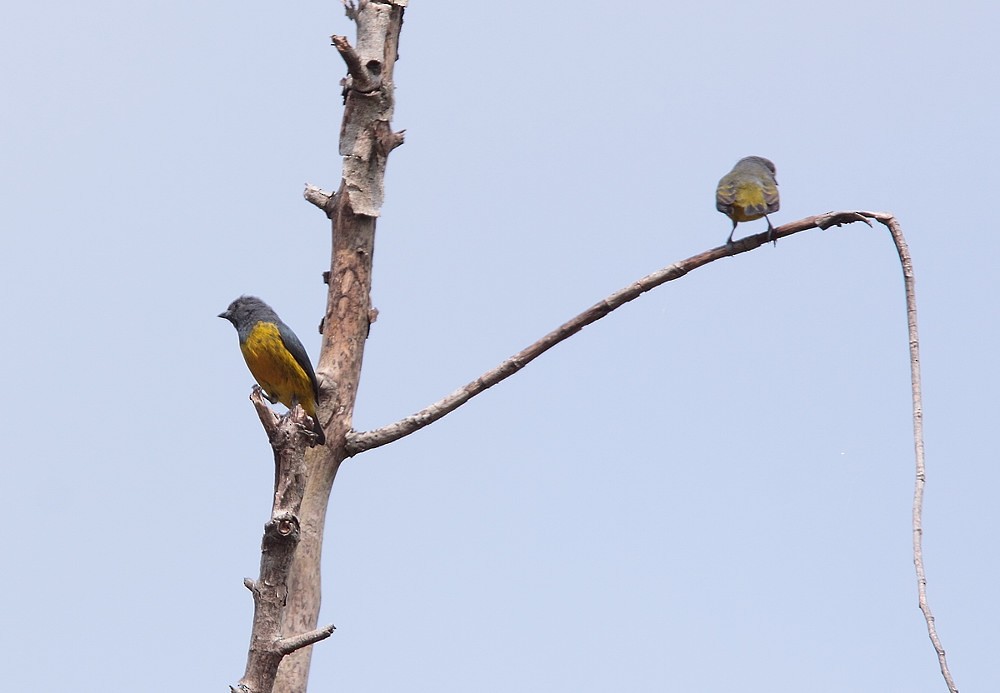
(226, 315)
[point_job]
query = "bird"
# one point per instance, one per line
(275, 356)
(748, 192)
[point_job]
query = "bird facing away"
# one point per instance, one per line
(275, 356)
(748, 192)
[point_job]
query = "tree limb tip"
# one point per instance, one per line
(322, 199)
(286, 646)
(268, 419)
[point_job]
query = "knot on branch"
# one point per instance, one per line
(825, 221)
(286, 527)
(282, 529)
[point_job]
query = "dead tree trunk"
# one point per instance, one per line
(366, 139)
(287, 594)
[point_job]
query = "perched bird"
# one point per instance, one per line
(275, 356)
(748, 192)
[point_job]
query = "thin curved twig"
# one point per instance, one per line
(918, 440)
(358, 442)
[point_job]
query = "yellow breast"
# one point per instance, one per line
(276, 370)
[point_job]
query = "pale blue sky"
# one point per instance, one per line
(709, 490)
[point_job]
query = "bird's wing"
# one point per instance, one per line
(298, 351)
(725, 196)
(771, 197)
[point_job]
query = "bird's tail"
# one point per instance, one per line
(318, 430)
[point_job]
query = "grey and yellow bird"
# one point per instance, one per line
(748, 192)
(275, 356)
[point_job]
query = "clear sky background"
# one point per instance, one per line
(708, 490)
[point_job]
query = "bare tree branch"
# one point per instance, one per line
(365, 79)
(268, 419)
(322, 199)
(360, 441)
(918, 441)
(289, 645)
